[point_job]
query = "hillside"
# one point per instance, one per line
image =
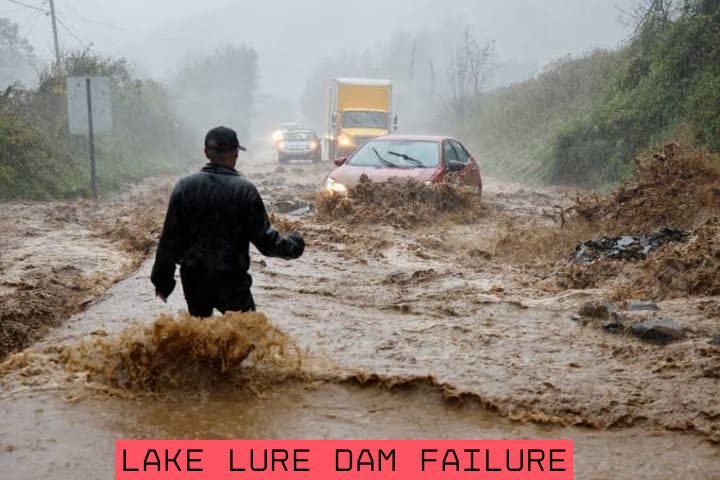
(515, 125)
(583, 120)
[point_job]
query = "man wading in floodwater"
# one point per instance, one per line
(212, 218)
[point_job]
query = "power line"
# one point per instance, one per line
(68, 30)
(75, 12)
(69, 9)
(31, 16)
(48, 12)
(51, 13)
(93, 24)
(13, 10)
(34, 20)
(26, 5)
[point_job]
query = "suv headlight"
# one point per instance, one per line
(332, 186)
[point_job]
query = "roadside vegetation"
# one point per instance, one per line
(582, 120)
(154, 126)
(39, 159)
(513, 128)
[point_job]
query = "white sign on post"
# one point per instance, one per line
(100, 93)
(89, 113)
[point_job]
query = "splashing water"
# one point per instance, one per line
(186, 352)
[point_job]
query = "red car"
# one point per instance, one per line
(426, 158)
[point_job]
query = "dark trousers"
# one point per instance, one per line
(206, 290)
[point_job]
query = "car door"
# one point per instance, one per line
(470, 175)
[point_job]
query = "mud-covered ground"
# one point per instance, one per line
(57, 257)
(453, 318)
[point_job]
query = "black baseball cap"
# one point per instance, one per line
(223, 139)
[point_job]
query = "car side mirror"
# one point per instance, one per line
(340, 161)
(455, 166)
(334, 119)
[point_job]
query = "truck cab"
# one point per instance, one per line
(359, 111)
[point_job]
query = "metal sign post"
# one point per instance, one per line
(90, 113)
(91, 138)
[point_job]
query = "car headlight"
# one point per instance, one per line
(344, 141)
(277, 136)
(335, 187)
(313, 145)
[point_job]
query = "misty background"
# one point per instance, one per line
(293, 40)
(547, 92)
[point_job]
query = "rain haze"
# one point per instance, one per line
(292, 37)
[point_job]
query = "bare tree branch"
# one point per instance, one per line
(470, 69)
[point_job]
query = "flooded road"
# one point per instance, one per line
(439, 331)
(62, 440)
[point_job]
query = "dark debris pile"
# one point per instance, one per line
(626, 247)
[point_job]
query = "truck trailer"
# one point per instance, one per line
(359, 110)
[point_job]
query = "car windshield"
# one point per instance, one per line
(358, 119)
(403, 153)
(299, 135)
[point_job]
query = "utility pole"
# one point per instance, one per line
(55, 33)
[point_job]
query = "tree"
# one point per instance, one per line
(470, 69)
(17, 61)
(40, 159)
(651, 18)
(219, 89)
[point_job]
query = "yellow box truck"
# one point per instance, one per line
(358, 111)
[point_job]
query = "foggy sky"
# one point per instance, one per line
(292, 36)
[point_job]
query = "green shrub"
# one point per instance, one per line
(583, 120)
(671, 78)
(39, 159)
(513, 128)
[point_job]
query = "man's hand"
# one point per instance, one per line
(298, 241)
(162, 297)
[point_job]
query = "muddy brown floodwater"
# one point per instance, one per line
(431, 330)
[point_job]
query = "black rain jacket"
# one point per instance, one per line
(212, 217)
